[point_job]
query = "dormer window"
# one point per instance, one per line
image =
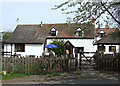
(101, 34)
(53, 32)
(79, 32)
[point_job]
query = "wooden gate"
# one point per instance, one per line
(81, 62)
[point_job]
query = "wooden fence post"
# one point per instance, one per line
(34, 68)
(48, 61)
(23, 64)
(80, 61)
(107, 58)
(4, 64)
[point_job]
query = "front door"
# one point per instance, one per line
(68, 49)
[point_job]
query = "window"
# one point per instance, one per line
(19, 47)
(79, 32)
(102, 34)
(112, 49)
(53, 32)
(79, 49)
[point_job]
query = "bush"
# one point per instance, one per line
(59, 50)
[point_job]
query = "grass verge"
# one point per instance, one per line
(53, 75)
(13, 76)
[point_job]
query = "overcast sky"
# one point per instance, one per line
(29, 12)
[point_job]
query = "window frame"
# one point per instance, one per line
(102, 35)
(19, 47)
(111, 50)
(77, 49)
(53, 32)
(79, 32)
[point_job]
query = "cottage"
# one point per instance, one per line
(109, 44)
(24, 41)
(31, 39)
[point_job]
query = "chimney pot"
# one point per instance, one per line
(93, 20)
(106, 26)
(41, 24)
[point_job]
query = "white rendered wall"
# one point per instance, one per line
(107, 49)
(30, 49)
(86, 43)
(7, 48)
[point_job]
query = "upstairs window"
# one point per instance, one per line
(112, 49)
(79, 32)
(53, 32)
(101, 34)
(19, 47)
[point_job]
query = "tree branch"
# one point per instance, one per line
(110, 13)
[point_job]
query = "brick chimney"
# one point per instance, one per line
(106, 26)
(93, 20)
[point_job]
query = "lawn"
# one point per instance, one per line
(53, 75)
(22, 75)
(13, 76)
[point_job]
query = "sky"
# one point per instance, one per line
(29, 12)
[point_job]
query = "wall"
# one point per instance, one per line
(107, 49)
(86, 43)
(30, 49)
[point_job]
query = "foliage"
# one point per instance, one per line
(56, 74)
(6, 35)
(59, 50)
(84, 10)
(48, 75)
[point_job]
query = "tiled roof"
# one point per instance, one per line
(106, 30)
(113, 38)
(38, 33)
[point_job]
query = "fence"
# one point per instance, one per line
(37, 65)
(107, 62)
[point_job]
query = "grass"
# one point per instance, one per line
(48, 75)
(13, 76)
(79, 74)
(53, 75)
(56, 74)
